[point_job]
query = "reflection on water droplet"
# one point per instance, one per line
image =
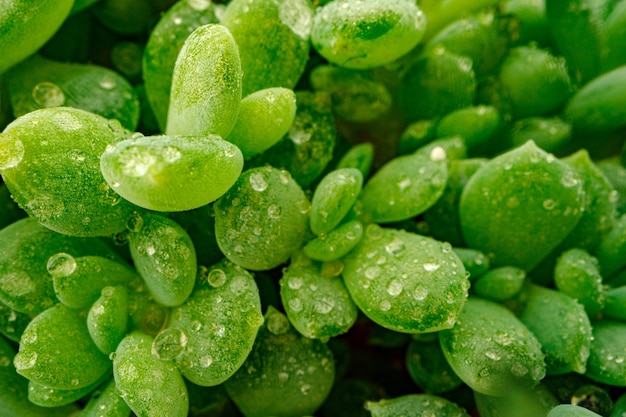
(61, 265)
(11, 151)
(47, 94)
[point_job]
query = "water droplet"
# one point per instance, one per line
(283, 376)
(502, 338)
(305, 389)
(169, 344)
(47, 94)
(385, 305)
(45, 207)
(274, 211)
(404, 184)
(429, 267)
(61, 265)
(420, 293)
(206, 361)
(395, 288)
(519, 370)
(177, 20)
(277, 323)
(136, 161)
(216, 278)
(25, 360)
(512, 202)
(569, 179)
(11, 151)
(295, 283)
(492, 355)
(108, 82)
(134, 223)
(258, 181)
(372, 272)
(196, 325)
(395, 247)
(238, 284)
(295, 304)
(549, 204)
(324, 305)
(374, 231)
(438, 154)
(199, 5)
(171, 154)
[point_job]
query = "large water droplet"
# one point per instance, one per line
(295, 304)
(395, 288)
(11, 151)
(258, 181)
(61, 265)
(47, 94)
(277, 323)
(324, 305)
(108, 82)
(169, 344)
(216, 278)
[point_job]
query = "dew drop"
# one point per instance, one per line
(199, 5)
(274, 211)
(11, 151)
(238, 284)
(169, 344)
(61, 265)
(295, 283)
(258, 181)
(430, 267)
(108, 82)
(277, 323)
(385, 305)
(216, 278)
(25, 360)
(404, 183)
(569, 179)
(283, 376)
(206, 361)
(295, 304)
(47, 94)
(395, 247)
(324, 305)
(305, 389)
(395, 288)
(372, 272)
(519, 370)
(549, 204)
(438, 154)
(134, 223)
(420, 293)
(492, 355)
